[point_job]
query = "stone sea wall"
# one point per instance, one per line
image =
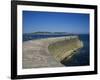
(48, 52)
(64, 48)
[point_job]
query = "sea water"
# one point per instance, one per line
(80, 57)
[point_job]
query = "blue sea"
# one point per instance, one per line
(80, 58)
(30, 36)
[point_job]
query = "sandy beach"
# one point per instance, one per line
(48, 52)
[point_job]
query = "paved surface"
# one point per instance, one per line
(36, 55)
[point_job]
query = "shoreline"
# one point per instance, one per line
(36, 53)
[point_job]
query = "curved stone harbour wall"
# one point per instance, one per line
(48, 52)
(64, 48)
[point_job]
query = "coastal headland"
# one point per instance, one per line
(49, 52)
